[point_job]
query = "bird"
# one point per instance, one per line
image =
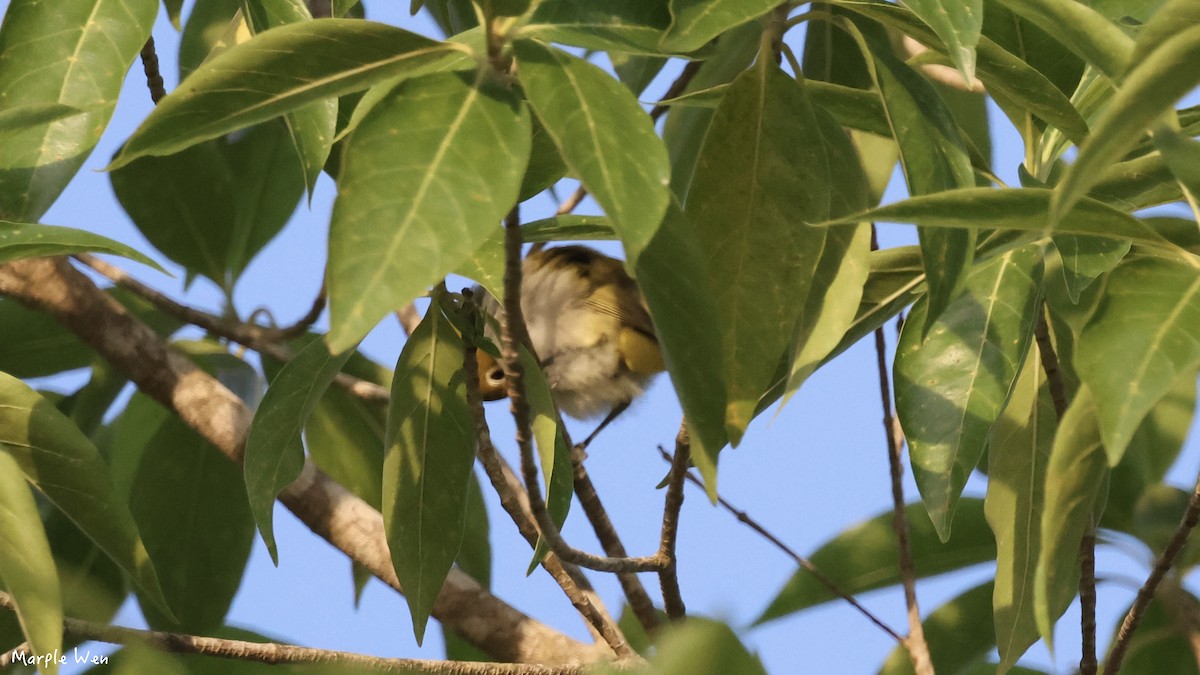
(589, 327)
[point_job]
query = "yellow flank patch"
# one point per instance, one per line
(640, 352)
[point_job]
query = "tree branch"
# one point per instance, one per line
(514, 335)
(918, 648)
(260, 339)
(668, 578)
(1088, 664)
(274, 653)
(1166, 559)
(507, 487)
(327, 508)
(154, 80)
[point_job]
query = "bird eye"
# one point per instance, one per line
(496, 375)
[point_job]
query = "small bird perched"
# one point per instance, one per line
(589, 327)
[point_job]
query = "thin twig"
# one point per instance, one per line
(255, 337)
(301, 326)
(514, 334)
(274, 653)
(668, 577)
(606, 533)
(154, 80)
(745, 519)
(327, 508)
(685, 78)
(6, 657)
(918, 648)
(1146, 593)
(409, 317)
(1088, 664)
(507, 487)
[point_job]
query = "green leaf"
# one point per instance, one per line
(1182, 156)
(1017, 209)
(1081, 29)
(189, 502)
(27, 569)
(33, 344)
(934, 159)
(474, 558)
(174, 9)
(770, 163)
(1141, 338)
(64, 466)
(1150, 89)
(401, 221)
(546, 166)
(864, 557)
(959, 633)
(280, 71)
(274, 452)
(1018, 450)
(952, 383)
(604, 137)
(214, 206)
(80, 51)
(1075, 478)
(832, 302)
(1152, 450)
(631, 26)
(311, 127)
(427, 467)
(1168, 19)
(685, 128)
(344, 434)
(558, 473)
(1137, 183)
(1006, 74)
(21, 117)
(673, 276)
(1085, 258)
(703, 647)
(695, 22)
(31, 240)
(958, 25)
(568, 227)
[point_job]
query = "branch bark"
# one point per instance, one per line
(327, 508)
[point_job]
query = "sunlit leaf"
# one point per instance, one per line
(80, 52)
(64, 465)
(1141, 338)
(958, 25)
(1151, 88)
(604, 137)
(1075, 480)
(29, 240)
(280, 71)
(761, 174)
(1081, 29)
(1019, 209)
(1018, 450)
(26, 567)
(952, 383)
(695, 22)
(633, 26)
(401, 221)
